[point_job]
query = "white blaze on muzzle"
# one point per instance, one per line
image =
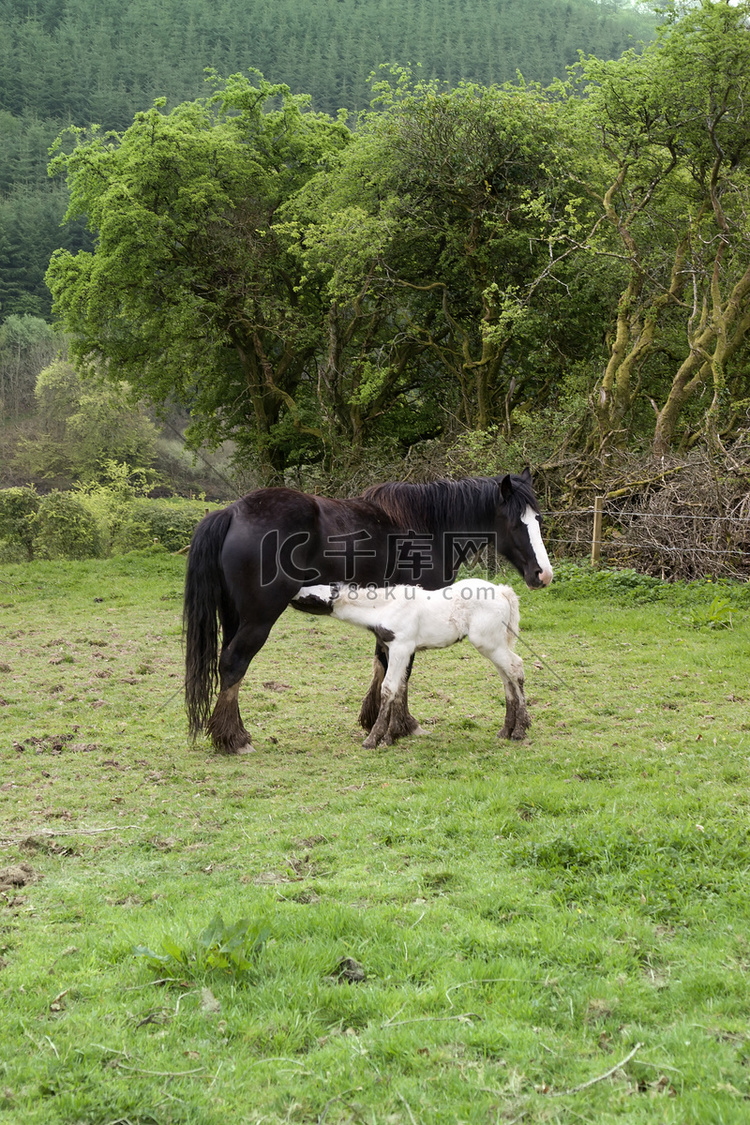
(537, 545)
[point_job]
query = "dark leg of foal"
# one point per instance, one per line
(517, 718)
(401, 723)
(380, 731)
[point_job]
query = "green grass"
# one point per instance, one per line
(453, 929)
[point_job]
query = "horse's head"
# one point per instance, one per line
(519, 534)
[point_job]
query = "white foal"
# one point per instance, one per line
(408, 618)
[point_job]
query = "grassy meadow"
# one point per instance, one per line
(452, 929)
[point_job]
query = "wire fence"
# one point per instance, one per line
(644, 536)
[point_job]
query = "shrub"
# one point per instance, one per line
(84, 422)
(65, 529)
(18, 508)
(170, 524)
(91, 522)
(110, 501)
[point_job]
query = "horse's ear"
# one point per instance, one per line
(526, 475)
(506, 488)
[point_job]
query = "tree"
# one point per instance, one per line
(189, 294)
(27, 344)
(84, 426)
(431, 231)
(668, 171)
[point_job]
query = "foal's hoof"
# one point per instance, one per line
(513, 734)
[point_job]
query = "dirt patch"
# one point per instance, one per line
(18, 875)
(46, 844)
(12, 878)
(54, 744)
(311, 841)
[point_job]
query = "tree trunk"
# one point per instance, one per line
(721, 335)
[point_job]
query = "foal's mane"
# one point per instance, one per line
(424, 507)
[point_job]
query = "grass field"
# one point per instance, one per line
(453, 929)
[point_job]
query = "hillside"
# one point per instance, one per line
(77, 62)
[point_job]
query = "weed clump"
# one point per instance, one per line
(218, 949)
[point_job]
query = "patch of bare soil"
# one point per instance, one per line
(12, 878)
(17, 875)
(54, 744)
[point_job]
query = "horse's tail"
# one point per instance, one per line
(206, 604)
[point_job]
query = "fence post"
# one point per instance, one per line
(596, 541)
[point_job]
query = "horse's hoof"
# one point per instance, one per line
(419, 730)
(369, 743)
(232, 751)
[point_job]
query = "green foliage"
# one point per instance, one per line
(111, 501)
(668, 143)
(707, 604)
(86, 424)
(73, 63)
(109, 518)
(169, 523)
(430, 235)
(27, 345)
(65, 529)
(326, 49)
(31, 228)
(564, 265)
(18, 509)
(221, 949)
(121, 479)
(531, 432)
(130, 520)
(187, 265)
(718, 615)
(584, 581)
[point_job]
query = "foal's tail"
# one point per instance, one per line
(514, 617)
(206, 604)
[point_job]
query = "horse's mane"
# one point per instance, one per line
(424, 507)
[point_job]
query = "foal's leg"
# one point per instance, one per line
(392, 693)
(401, 723)
(517, 718)
(510, 667)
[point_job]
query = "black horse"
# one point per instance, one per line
(247, 562)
